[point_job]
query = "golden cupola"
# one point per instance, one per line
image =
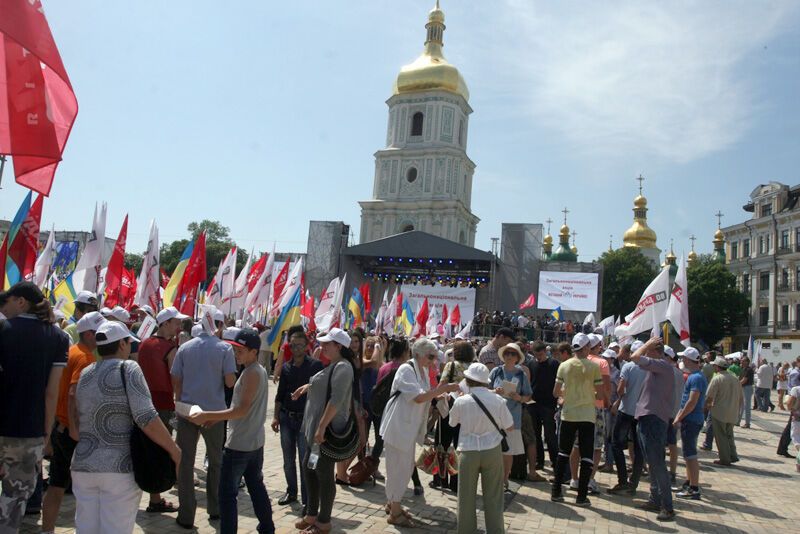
(639, 235)
(431, 71)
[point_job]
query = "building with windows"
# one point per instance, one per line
(763, 252)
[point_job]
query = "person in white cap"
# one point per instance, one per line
(482, 415)
(156, 355)
(202, 368)
(64, 437)
(579, 383)
(690, 419)
(724, 397)
(106, 494)
(84, 302)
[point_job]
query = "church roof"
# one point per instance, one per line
(418, 244)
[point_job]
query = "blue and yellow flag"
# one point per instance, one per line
(10, 271)
(290, 316)
(556, 313)
(177, 275)
(356, 309)
(407, 318)
(63, 296)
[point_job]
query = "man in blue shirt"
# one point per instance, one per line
(631, 379)
(690, 419)
(288, 416)
(203, 367)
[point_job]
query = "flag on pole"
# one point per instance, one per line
(278, 286)
(407, 320)
(465, 332)
(221, 288)
(421, 319)
(455, 316)
(261, 291)
(116, 268)
(289, 307)
(589, 320)
(23, 248)
(87, 272)
(607, 325)
(356, 307)
(36, 96)
(530, 302)
(16, 223)
(556, 314)
(149, 281)
(240, 287)
(655, 297)
(678, 308)
(171, 290)
(45, 260)
(193, 276)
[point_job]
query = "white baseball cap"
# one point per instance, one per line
(90, 321)
(197, 329)
(147, 309)
(86, 297)
(636, 345)
(608, 353)
(579, 341)
(229, 334)
(111, 331)
(690, 353)
(613, 345)
(336, 334)
(594, 339)
(105, 312)
(218, 316)
(169, 313)
(669, 352)
(477, 372)
(120, 314)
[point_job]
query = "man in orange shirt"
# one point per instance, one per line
(64, 437)
(601, 407)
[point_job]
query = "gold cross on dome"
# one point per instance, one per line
(640, 178)
(565, 211)
(692, 238)
(719, 215)
(548, 221)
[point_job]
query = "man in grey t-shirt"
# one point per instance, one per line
(202, 368)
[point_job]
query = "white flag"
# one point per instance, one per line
(323, 316)
(338, 297)
(607, 325)
(224, 280)
(390, 315)
(466, 332)
(379, 317)
(240, 287)
(261, 292)
(45, 260)
(589, 320)
(651, 307)
(86, 275)
(292, 285)
(149, 281)
(678, 309)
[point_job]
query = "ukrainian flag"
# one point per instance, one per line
(290, 316)
(63, 296)
(177, 275)
(11, 273)
(356, 308)
(407, 318)
(556, 313)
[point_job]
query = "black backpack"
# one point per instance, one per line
(382, 393)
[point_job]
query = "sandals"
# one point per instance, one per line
(388, 510)
(401, 520)
(161, 507)
(314, 529)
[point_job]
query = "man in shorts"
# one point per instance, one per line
(690, 419)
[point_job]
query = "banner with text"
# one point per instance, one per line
(438, 296)
(571, 291)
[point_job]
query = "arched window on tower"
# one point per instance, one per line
(416, 123)
(407, 228)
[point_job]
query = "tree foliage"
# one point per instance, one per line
(218, 243)
(134, 261)
(626, 274)
(716, 306)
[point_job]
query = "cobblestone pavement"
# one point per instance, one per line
(760, 494)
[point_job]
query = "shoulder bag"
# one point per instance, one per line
(340, 446)
(504, 441)
(153, 469)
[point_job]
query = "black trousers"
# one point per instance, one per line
(544, 421)
(786, 438)
(566, 439)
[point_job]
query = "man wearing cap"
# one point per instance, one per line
(489, 353)
(64, 437)
(724, 398)
(672, 430)
(579, 383)
(542, 371)
(654, 411)
(156, 356)
(601, 404)
(85, 302)
(690, 420)
(479, 450)
(33, 354)
(631, 379)
(243, 455)
(202, 368)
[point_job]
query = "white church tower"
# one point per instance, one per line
(423, 178)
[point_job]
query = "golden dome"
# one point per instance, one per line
(548, 239)
(718, 235)
(639, 235)
(431, 71)
(640, 202)
(574, 249)
(564, 232)
(692, 256)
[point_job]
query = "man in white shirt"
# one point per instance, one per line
(764, 377)
(480, 450)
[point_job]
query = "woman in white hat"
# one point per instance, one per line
(482, 415)
(403, 423)
(511, 382)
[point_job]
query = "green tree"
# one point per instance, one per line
(626, 274)
(218, 243)
(716, 306)
(134, 261)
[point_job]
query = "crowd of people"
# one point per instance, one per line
(345, 401)
(544, 327)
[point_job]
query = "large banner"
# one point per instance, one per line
(570, 291)
(438, 296)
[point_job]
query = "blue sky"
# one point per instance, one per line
(264, 115)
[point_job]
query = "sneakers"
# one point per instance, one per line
(649, 506)
(593, 489)
(689, 493)
(583, 503)
(619, 488)
(673, 484)
(556, 496)
(705, 447)
(666, 515)
(573, 484)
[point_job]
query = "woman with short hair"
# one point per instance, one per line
(404, 423)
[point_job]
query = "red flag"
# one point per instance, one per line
(164, 277)
(116, 268)
(36, 96)
(195, 273)
(307, 309)
(25, 246)
(422, 318)
(3, 255)
(530, 302)
(399, 310)
(444, 314)
(255, 272)
(455, 317)
(364, 290)
(280, 283)
(127, 289)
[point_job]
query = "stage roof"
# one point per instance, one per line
(417, 244)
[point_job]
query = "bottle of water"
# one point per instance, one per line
(313, 458)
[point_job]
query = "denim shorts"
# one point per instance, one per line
(689, 432)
